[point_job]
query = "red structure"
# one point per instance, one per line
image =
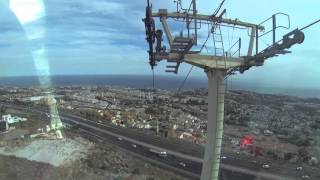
(246, 141)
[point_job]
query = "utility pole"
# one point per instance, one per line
(217, 66)
(157, 126)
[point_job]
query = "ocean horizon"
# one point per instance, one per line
(145, 81)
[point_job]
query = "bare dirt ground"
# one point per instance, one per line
(54, 152)
(73, 158)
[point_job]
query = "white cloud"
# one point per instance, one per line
(101, 36)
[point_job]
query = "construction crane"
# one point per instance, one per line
(219, 64)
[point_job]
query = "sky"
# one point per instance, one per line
(57, 37)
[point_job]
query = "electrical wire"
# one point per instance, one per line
(311, 24)
(153, 79)
(185, 79)
(205, 42)
(229, 42)
(191, 68)
(218, 9)
(203, 46)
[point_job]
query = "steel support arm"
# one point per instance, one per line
(203, 61)
(252, 36)
(166, 30)
(162, 13)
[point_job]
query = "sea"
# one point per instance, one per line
(161, 82)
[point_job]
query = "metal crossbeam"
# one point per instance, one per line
(164, 13)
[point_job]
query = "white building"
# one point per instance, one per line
(187, 136)
(12, 119)
(267, 132)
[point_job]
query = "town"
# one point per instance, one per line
(261, 127)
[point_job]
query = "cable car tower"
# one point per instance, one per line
(217, 65)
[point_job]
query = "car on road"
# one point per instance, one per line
(265, 166)
(133, 145)
(159, 152)
(182, 164)
(305, 177)
(120, 139)
(299, 168)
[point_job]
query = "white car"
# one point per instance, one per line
(299, 168)
(223, 157)
(182, 164)
(265, 166)
(120, 139)
(159, 152)
(133, 145)
(305, 177)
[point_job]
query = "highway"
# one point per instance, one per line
(182, 157)
(233, 167)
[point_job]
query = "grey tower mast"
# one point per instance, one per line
(217, 65)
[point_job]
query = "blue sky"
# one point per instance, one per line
(107, 37)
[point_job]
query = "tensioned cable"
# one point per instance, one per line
(305, 27)
(205, 42)
(218, 9)
(191, 68)
(185, 79)
(311, 24)
(203, 46)
(152, 78)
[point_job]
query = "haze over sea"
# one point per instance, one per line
(161, 82)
